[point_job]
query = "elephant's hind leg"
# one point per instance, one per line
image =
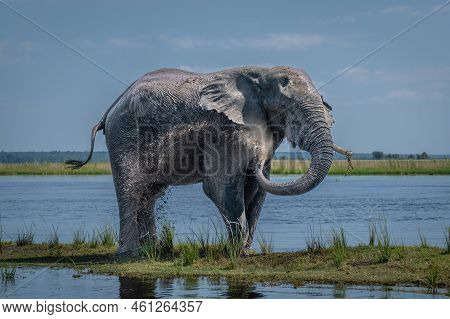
(146, 216)
(136, 199)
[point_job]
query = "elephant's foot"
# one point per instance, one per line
(245, 251)
(127, 251)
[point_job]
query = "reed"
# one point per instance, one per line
(25, 237)
(53, 238)
(432, 277)
(148, 249)
(1, 236)
(314, 242)
(447, 239)
(204, 240)
(189, 252)
(423, 240)
(338, 238)
(372, 233)
(107, 236)
(8, 274)
(233, 250)
(79, 237)
(338, 255)
(94, 241)
(166, 241)
(338, 246)
(265, 244)
(384, 242)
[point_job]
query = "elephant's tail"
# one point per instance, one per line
(74, 164)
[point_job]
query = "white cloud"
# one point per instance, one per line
(396, 9)
(127, 42)
(408, 94)
(403, 10)
(424, 83)
(275, 41)
(337, 19)
(17, 52)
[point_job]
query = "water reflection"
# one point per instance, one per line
(339, 291)
(60, 283)
(130, 288)
(242, 291)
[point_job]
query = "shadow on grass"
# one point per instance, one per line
(65, 258)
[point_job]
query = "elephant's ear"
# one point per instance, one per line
(234, 94)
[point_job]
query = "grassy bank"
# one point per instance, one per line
(281, 167)
(422, 266)
(54, 169)
(369, 167)
(408, 265)
(212, 255)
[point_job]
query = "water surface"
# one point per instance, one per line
(60, 283)
(408, 203)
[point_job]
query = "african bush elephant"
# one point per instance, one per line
(173, 127)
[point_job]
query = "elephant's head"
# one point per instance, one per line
(280, 97)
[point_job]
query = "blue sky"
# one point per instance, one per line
(395, 101)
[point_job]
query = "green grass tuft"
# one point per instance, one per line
(433, 277)
(338, 255)
(8, 274)
(79, 237)
(107, 237)
(25, 237)
(2, 244)
(166, 242)
(314, 242)
(189, 252)
(265, 244)
(148, 249)
(423, 240)
(338, 246)
(94, 241)
(338, 238)
(53, 239)
(384, 242)
(372, 233)
(447, 239)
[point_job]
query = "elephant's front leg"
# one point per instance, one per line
(254, 200)
(254, 196)
(227, 193)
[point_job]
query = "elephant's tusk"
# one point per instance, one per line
(346, 153)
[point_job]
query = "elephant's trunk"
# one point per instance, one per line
(321, 150)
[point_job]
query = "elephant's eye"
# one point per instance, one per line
(284, 81)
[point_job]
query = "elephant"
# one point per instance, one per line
(174, 127)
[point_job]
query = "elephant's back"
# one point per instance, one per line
(163, 96)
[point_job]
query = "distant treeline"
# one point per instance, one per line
(98, 157)
(377, 155)
(50, 157)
